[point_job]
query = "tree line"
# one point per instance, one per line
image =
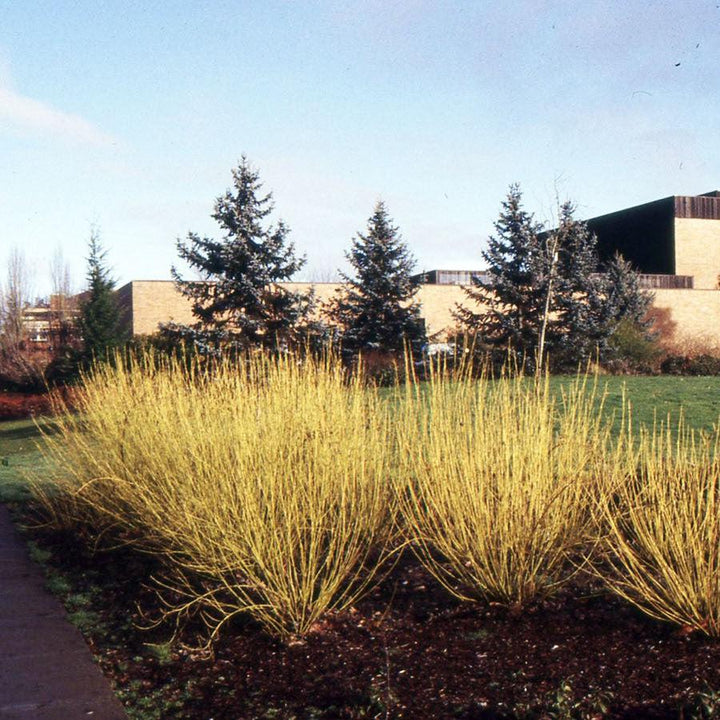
(239, 301)
(544, 295)
(548, 295)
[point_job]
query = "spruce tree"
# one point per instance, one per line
(514, 296)
(580, 303)
(237, 299)
(592, 299)
(548, 293)
(624, 299)
(99, 320)
(375, 309)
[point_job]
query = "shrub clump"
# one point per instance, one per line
(498, 480)
(702, 364)
(661, 529)
(263, 484)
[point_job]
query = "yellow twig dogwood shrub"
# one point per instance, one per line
(662, 528)
(498, 481)
(264, 483)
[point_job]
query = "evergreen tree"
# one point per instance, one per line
(99, 320)
(375, 310)
(519, 269)
(624, 299)
(238, 298)
(581, 319)
(592, 299)
(547, 291)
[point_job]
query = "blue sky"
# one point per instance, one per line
(129, 116)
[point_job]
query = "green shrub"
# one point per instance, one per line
(630, 349)
(703, 364)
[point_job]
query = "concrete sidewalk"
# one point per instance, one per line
(46, 669)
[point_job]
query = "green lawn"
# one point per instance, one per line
(654, 398)
(650, 397)
(19, 456)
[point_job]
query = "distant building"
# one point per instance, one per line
(452, 277)
(43, 322)
(36, 323)
(674, 244)
(677, 238)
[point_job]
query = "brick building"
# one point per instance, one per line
(677, 237)
(674, 243)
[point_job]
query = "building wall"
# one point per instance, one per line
(437, 303)
(323, 291)
(152, 302)
(697, 251)
(147, 303)
(123, 298)
(692, 317)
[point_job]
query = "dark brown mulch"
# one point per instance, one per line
(407, 651)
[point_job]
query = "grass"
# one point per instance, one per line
(20, 456)
(495, 482)
(650, 397)
(662, 530)
(266, 491)
(654, 398)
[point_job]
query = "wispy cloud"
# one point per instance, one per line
(27, 114)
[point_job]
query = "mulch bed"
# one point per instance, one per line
(407, 651)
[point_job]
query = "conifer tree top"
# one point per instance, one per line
(376, 308)
(548, 290)
(99, 320)
(238, 293)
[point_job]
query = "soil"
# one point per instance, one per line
(409, 650)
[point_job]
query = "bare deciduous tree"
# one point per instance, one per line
(62, 290)
(19, 365)
(63, 315)
(15, 295)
